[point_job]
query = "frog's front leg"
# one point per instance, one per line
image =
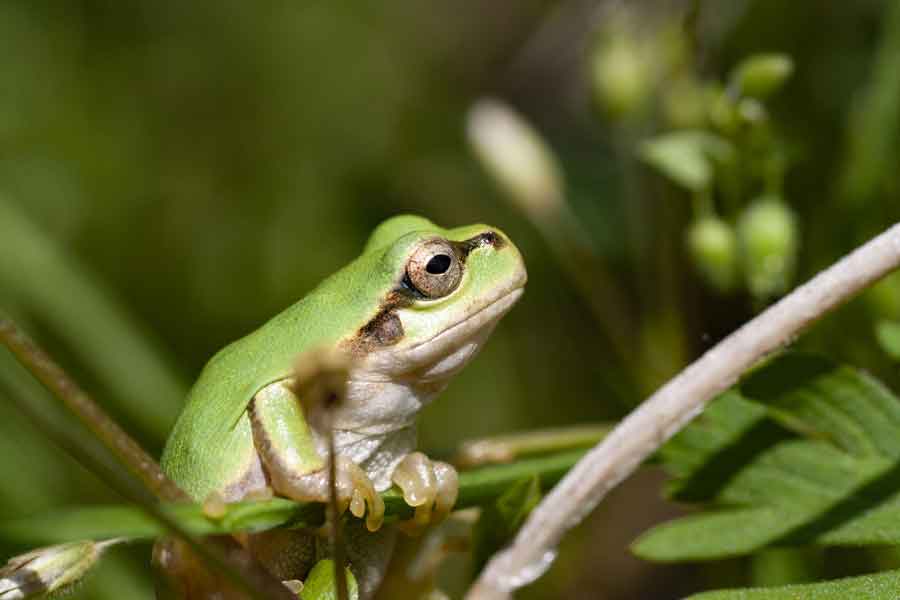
(429, 486)
(287, 449)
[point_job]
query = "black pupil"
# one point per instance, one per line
(438, 264)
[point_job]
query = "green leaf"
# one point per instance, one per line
(804, 451)
(500, 520)
(888, 334)
(687, 157)
(884, 586)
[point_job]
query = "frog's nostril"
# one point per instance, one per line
(493, 238)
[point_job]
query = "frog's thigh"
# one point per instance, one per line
(285, 444)
(286, 553)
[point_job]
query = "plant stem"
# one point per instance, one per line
(338, 550)
(476, 488)
(225, 556)
(596, 286)
(80, 404)
(669, 409)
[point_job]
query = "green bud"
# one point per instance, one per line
(684, 101)
(320, 583)
(713, 248)
(513, 153)
(888, 335)
(49, 569)
(883, 298)
(621, 76)
(768, 236)
(761, 75)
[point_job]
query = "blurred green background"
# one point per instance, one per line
(173, 174)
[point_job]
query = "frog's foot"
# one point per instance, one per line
(355, 489)
(429, 486)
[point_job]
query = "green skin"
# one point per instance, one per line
(412, 343)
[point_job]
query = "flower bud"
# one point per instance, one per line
(883, 298)
(320, 583)
(684, 103)
(767, 231)
(713, 248)
(516, 157)
(320, 380)
(761, 75)
(888, 335)
(621, 75)
(49, 569)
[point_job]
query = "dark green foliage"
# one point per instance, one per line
(804, 451)
(884, 586)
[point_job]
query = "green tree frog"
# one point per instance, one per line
(410, 311)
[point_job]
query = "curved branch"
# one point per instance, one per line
(672, 407)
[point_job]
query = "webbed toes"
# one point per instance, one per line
(357, 492)
(415, 477)
(448, 490)
(429, 486)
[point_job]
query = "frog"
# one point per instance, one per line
(410, 312)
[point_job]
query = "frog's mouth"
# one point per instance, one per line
(449, 351)
(489, 313)
(445, 353)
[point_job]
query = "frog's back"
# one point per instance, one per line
(211, 440)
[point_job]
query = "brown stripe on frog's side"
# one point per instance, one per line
(385, 328)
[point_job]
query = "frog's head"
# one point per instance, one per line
(449, 287)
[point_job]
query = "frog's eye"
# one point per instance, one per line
(434, 269)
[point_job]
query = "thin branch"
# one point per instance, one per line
(672, 407)
(225, 556)
(80, 404)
